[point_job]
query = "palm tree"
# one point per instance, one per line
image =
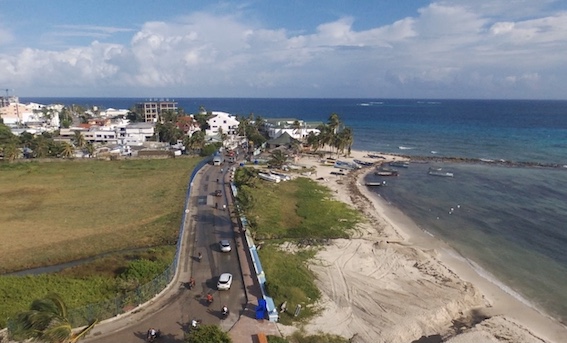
(334, 122)
(277, 159)
(47, 320)
(79, 139)
(89, 147)
(68, 150)
(296, 126)
(346, 139)
(313, 140)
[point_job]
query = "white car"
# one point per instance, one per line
(225, 281)
(224, 245)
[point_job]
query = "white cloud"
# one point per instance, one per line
(450, 49)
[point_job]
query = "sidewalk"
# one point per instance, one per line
(247, 326)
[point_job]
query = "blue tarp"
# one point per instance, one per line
(261, 309)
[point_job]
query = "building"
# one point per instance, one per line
(222, 122)
(276, 127)
(150, 110)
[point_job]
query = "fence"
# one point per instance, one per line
(143, 293)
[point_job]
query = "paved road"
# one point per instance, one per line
(172, 311)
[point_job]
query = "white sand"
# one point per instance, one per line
(393, 283)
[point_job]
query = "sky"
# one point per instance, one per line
(442, 49)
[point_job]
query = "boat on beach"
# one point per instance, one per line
(438, 171)
(269, 177)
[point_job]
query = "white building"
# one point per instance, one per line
(222, 121)
(135, 134)
(276, 127)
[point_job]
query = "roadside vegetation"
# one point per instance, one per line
(125, 213)
(301, 212)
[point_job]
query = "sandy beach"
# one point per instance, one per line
(392, 282)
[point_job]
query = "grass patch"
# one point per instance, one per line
(88, 283)
(63, 211)
(289, 279)
(295, 209)
(298, 210)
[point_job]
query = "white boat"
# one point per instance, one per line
(269, 177)
(282, 176)
(399, 164)
(438, 171)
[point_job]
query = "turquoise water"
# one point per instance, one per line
(510, 221)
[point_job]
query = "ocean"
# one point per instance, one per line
(509, 221)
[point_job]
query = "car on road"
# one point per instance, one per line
(225, 281)
(224, 245)
(218, 193)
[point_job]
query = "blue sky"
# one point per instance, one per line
(496, 49)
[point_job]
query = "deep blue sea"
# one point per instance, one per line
(512, 222)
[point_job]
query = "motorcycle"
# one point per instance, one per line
(152, 336)
(195, 323)
(224, 312)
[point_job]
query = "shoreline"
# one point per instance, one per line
(520, 320)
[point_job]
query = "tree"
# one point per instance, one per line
(10, 152)
(47, 320)
(296, 126)
(134, 116)
(40, 146)
(277, 159)
(207, 334)
(68, 150)
(89, 147)
(313, 141)
(79, 139)
(334, 122)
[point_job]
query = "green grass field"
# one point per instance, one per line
(299, 210)
(63, 211)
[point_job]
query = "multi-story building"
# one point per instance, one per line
(222, 122)
(150, 110)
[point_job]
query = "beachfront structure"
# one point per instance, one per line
(277, 126)
(151, 109)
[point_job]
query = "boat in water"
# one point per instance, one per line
(374, 184)
(438, 171)
(363, 163)
(386, 172)
(399, 164)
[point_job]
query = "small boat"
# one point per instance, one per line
(386, 172)
(363, 163)
(399, 164)
(269, 177)
(375, 156)
(438, 171)
(346, 165)
(282, 176)
(373, 184)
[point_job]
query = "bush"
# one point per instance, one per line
(143, 270)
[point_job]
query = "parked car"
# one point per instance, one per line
(224, 245)
(225, 281)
